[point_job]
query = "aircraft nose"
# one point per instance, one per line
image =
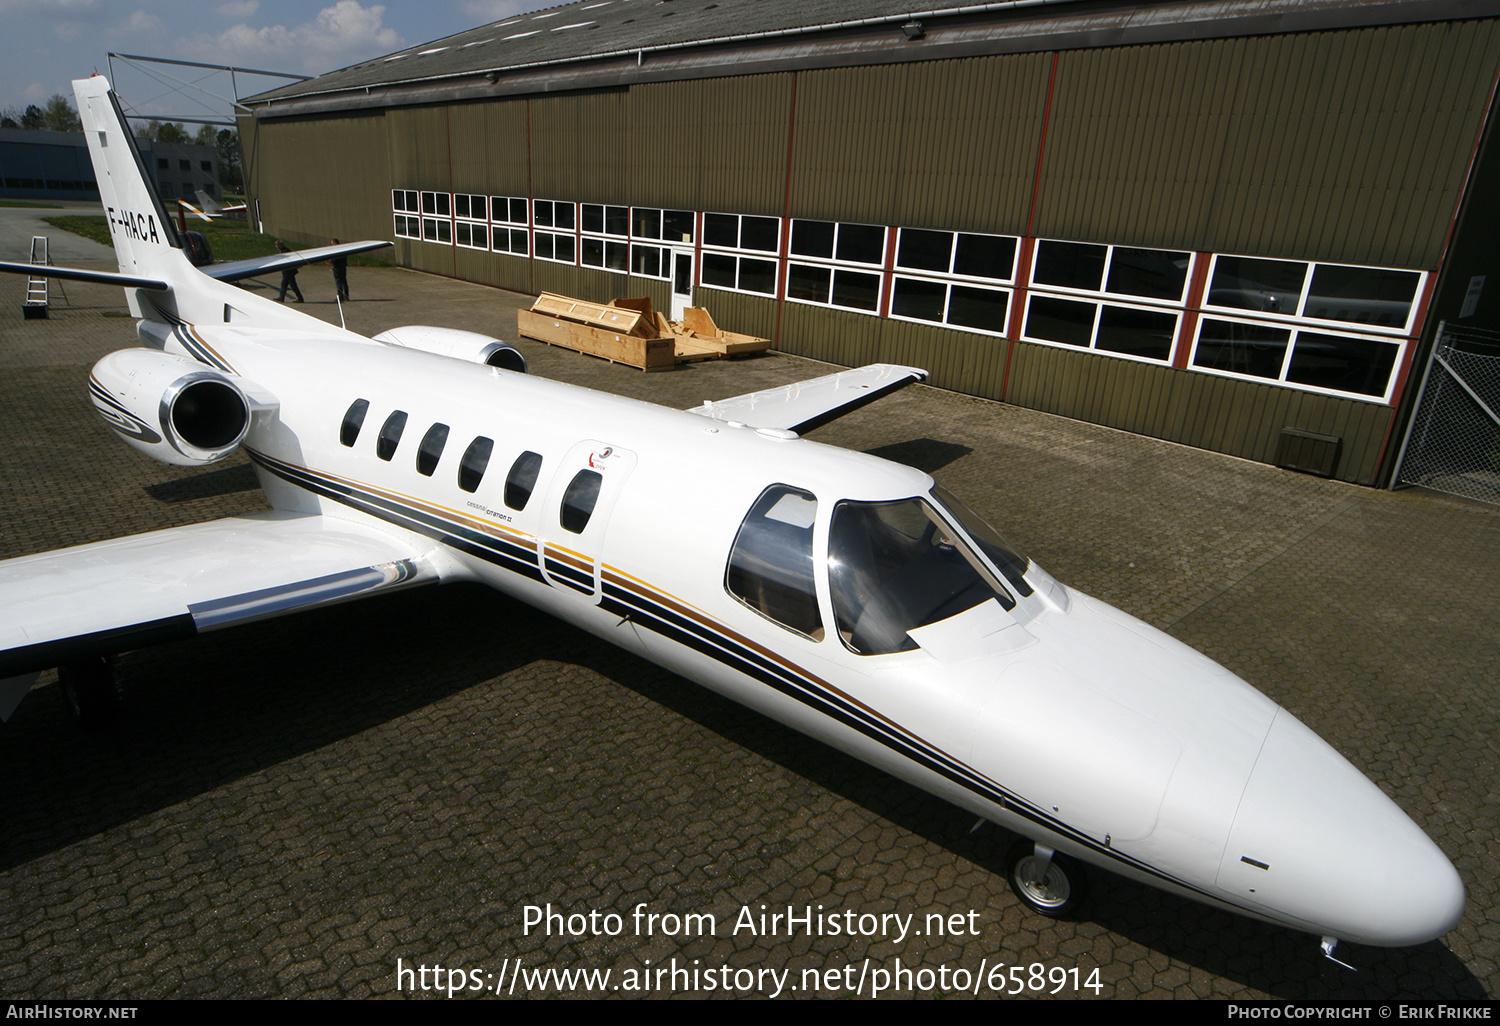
(1320, 846)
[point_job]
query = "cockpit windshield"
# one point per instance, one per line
(896, 566)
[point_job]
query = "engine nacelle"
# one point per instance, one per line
(469, 346)
(174, 409)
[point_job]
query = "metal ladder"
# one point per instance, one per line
(37, 286)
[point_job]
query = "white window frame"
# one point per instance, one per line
(470, 225)
(538, 230)
(835, 266)
(644, 242)
(1294, 331)
(1099, 303)
(951, 278)
(1298, 316)
(407, 212)
(510, 226)
(609, 242)
(740, 254)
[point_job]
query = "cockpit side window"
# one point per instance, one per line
(896, 566)
(771, 564)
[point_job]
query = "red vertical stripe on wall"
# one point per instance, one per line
(1196, 286)
(786, 216)
(1028, 242)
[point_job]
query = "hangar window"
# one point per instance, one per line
(954, 269)
(771, 564)
(554, 218)
(1380, 299)
(407, 208)
(509, 218)
(652, 224)
(521, 480)
(508, 210)
(605, 229)
(354, 419)
(476, 460)
(437, 217)
(1314, 359)
(390, 435)
(848, 272)
(748, 270)
(431, 449)
(471, 228)
(1069, 280)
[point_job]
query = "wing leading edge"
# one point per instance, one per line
(127, 593)
(806, 405)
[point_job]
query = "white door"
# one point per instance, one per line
(682, 281)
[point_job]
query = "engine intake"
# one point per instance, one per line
(469, 346)
(172, 408)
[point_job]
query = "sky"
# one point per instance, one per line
(45, 44)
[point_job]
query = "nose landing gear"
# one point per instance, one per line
(1048, 883)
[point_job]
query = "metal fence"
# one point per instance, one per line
(1453, 445)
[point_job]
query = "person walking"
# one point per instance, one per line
(288, 277)
(340, 275)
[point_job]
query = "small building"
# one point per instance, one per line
(56, 165)
(1234, 224)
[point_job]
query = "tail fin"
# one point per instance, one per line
(147, 246)
(145, 242)
(207, 205)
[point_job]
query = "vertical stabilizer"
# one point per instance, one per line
(145, 243)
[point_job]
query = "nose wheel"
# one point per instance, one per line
(1048, 883)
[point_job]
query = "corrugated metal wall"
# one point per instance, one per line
(1343, 146)
(1347, 146)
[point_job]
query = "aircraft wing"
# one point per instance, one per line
(811, 404)
(127, 593)
(237, 269)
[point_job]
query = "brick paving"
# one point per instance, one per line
(288, 808)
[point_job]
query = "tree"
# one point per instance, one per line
(59, 116)
(33, 119)
(172, 132)
(231, 167)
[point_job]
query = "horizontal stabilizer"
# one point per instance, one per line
(130, 281)
(811, 404)
(127, 593)
(237, 269)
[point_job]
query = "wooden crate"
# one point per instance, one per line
(615, 346)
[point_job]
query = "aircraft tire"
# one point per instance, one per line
(1060, 891)
(90, 689)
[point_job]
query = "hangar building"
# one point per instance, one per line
(1235, 224)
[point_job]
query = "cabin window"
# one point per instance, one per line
(354, 419)
(579, 500)
(771, 564)
(476, 458)
(522, 479)
(896, 566)
(431, 449)
(390, 435)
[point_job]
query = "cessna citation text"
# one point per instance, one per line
(843, 595)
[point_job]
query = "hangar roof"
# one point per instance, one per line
(602, 43)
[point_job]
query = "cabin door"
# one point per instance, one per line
(682, 280)
(580, 498)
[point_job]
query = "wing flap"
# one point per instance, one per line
(811, 404)
(168, 585)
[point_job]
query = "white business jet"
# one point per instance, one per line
(843, 595)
